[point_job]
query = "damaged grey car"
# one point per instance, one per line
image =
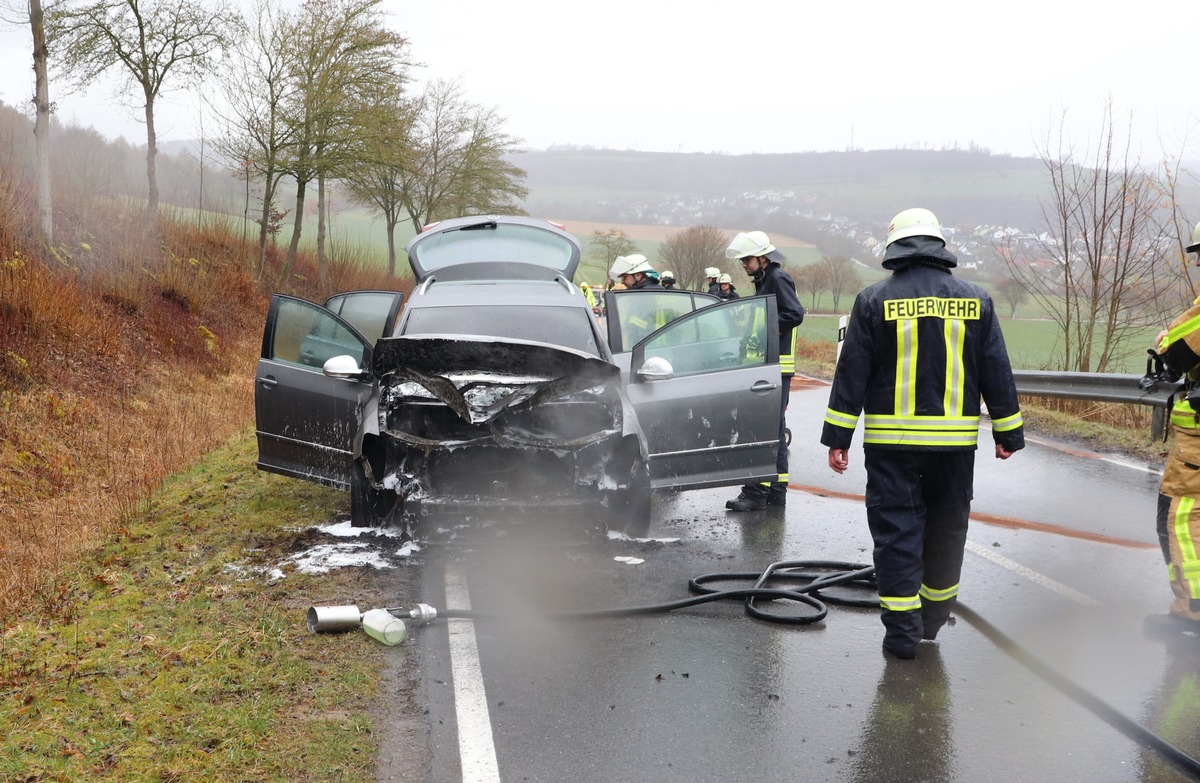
(497, 394)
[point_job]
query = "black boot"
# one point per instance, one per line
(747, 502)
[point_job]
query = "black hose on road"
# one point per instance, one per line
(828, 574)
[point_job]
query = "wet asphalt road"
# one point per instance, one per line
(1061, 559)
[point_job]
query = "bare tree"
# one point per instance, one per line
(344, 59)
(13, 13)
(688, 252)
(458, 164)
(255, 89)
(813, 279)
(842, 277)
(376, 174)
(152, 43)
(1012, 293)
(605, 246)
(1100, 273)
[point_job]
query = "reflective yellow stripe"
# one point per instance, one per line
(839, 419)
(902, 603)
(1187, 546)
(639, 322)
(930, 594)
(1184, 420)
(1007, 423)
(882, 437)
(906, 367)
(922, 422)
(787, 362)
(1184, 415)
(956, 332)
(1179, 332)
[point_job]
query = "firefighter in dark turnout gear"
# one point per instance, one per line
(920, 350)
(1178, 511)
(761, 262)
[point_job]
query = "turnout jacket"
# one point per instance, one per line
(773, 280)
(921, 348)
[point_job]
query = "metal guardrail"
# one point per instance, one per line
(1100, 387)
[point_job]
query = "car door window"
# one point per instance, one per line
(633, 315)
(309, 335)
(367, 311)
(722, 338)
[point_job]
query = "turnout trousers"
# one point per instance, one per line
(1179, 521)
(918, 503)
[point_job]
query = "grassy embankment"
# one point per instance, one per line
(140, 640)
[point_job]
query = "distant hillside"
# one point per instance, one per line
(865, 187)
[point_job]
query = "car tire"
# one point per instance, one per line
(369, 507)
(634, 511)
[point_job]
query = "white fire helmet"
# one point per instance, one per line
(725, 279)
(914, 222)
(628, 265)
(752, 243)
(1192, 248)
(711, 271)
(668, 275)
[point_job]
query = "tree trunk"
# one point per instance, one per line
(391, 229)
(297, 227)
(41, 127)
(264, 222)
(322, 259)
(151, 159)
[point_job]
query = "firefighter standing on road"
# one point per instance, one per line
(1178, 514)
(761, 262)
(921, 348)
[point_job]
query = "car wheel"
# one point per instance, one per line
(369, 507)
(633, 510)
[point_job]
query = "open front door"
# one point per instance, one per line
(706, 388)
(306, 422)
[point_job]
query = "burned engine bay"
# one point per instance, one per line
(473, 426)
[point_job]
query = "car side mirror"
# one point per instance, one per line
(656, 368)
(343, 366)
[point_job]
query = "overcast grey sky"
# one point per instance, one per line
(773, 75)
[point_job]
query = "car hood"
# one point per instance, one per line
(451, 367)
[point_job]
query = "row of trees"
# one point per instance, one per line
(316, 94)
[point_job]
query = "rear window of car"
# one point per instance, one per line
(566, 326)
(494, 243)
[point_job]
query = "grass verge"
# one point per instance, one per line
(177, 658)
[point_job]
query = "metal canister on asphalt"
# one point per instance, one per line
(382, 626)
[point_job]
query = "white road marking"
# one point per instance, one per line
(1033, 576)
(476, 747)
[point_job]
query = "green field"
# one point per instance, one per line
(1032, 344)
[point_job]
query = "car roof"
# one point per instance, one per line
(465, 293)
(493, 247)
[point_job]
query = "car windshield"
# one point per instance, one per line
(495, 243)
(566, 326)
